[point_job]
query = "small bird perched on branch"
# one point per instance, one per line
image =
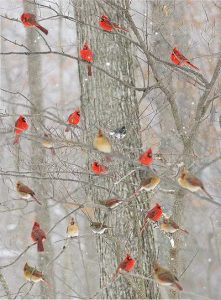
(126, 265)
(191, 182)
(180, 60)
(106, 24)
(99, 169)
(72, 229)
(47, 142)
(32, 274)
(146, 159)
(111, 203)
(73, 119)
(29, 20)
(164, 277)
(25, 192)
(87, 55)
(169, 226)
(102, 143)
(119, 133)
(98, 227)
(38, 235)
(21, 125)
(153, 215)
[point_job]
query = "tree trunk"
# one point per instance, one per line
(107, 104)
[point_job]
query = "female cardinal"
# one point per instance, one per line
(153, 214)
(102, 143)
(25, 192)
(111, 203)
(29, 20)
(169, 226)
(87, 55)
(146, 159)
(126, 265)
(149, 184)
(32, 274)
(191, 183)
(38, 235)
(165, 277)
(99, 169)
(73, 119)
(180, 60)
(109, 26)
(21, 125)
(47, 142)
(72, 229)
(98, 227)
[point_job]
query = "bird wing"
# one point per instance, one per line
(25, 189)
(194, 181)
(145, 181)
(167, 276)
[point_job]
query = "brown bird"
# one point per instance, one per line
(188, 181)
(48, 143)
(147, 184)
(102, 143)
(25, 192)
(72, 229)
(111, 203)
(164, 277)
(98, 227)
(169, 226)
(32, 274)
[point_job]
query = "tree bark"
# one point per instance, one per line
(107, 104)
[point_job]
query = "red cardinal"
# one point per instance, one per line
(29, 20)
(20, 126)
(38, 235)
(126, 265)
(153, 214)
(180, 60)
(109, 26)
(87, 55)
(146, 159)
(99, 169)
(73, 119)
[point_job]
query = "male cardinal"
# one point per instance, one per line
(98, 227)
(102, 143)
(106, 24)
(87, 55)
(111, 203)
(169, 226)
(126, 265)
(48, 143)
(191, 183)
(153, 214)
(119, 133)
(146, 159)
(99, 169)
(29, 20)
(165, 277)
(32, 274)
(72, 229)
(38, 235)
(73, 119)
(25, 192)
(180, 60)
(20, 126)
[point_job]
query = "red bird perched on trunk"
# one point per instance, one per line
(29, 20)
(180, 60)
(73, 119)
(126, 265)
(21, 125)
(38, 235)
(106, 24)
(87, 55)
(146, 159)
(99, 169)
(153, 214)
